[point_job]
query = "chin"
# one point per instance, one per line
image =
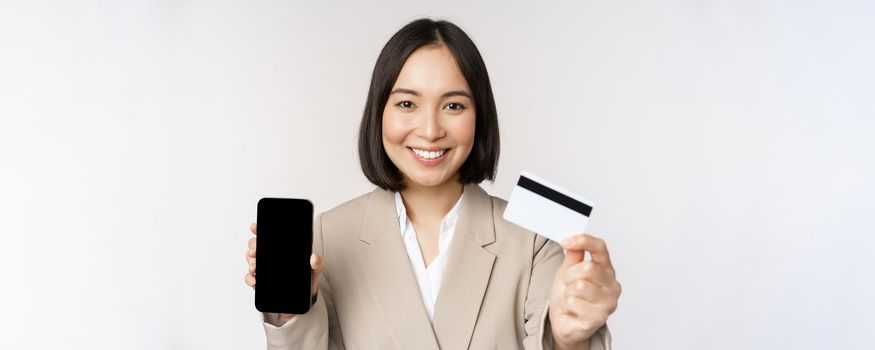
(429, 181)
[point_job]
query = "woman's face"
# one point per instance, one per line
(428, 121)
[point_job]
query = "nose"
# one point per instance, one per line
(430, 127)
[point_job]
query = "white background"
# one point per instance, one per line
(728, 146)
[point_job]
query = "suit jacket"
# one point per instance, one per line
(493, 295)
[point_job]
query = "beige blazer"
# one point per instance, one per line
(493, 295)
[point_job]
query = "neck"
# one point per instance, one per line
(431, 203)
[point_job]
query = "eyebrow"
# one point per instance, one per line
(446, 94)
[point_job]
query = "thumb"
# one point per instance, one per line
(317, 264)
(571, 257)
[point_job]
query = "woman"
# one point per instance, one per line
(426, 261)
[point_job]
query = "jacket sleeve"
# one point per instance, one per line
(319, 327)
(548, 256)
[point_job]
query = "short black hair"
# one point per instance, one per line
(483, 160)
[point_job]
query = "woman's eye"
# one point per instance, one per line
(455, 106)
(405, 104)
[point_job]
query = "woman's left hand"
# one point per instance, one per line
(584, 292)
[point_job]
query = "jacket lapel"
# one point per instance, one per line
(390, 278)
(469, 267)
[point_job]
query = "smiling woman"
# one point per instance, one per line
(426, 260)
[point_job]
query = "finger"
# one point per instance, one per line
(587, 321)
(316, 262)
(585, 242)
(249, 258)
(249, 279)
(252, 228)
(574, 306)
(252, 243)
(590, 292)
(251, 253)
(580, 308)
(590, 271)
(252, 267)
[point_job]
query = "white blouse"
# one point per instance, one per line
(428, 278)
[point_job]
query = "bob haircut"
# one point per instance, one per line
(483, 159)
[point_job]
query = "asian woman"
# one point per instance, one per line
(425, 260)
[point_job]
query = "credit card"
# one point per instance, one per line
(546, 209)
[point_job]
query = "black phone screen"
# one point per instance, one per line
(282, 266)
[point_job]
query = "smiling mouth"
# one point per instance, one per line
(428, 155)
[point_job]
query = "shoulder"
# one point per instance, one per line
(347, 212)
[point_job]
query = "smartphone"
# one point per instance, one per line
(284, 244)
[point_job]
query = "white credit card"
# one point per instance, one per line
(547, 209)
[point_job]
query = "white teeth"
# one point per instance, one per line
(427, 154)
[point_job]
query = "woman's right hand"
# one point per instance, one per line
(316, 263)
